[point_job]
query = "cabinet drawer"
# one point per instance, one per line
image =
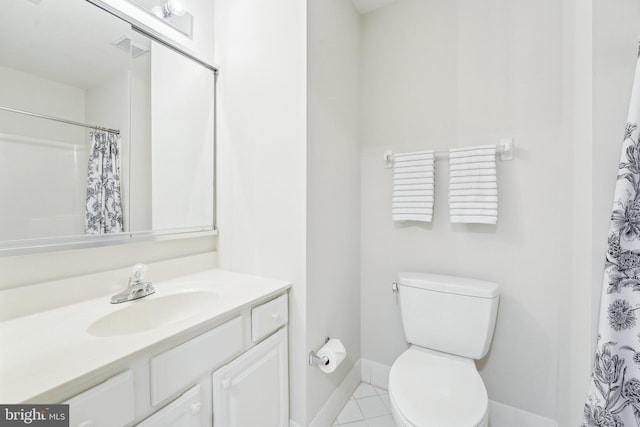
(268, 317)
(182, 365)
(108, 404)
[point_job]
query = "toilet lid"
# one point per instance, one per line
(433, 389)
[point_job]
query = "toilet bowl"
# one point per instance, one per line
(431, 389)
(448, 322)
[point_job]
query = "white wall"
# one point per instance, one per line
(575, 326)
(261, 137)
(444, 74)
(333, 190)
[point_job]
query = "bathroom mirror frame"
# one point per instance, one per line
(40, 245)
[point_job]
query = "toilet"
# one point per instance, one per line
(448, 322)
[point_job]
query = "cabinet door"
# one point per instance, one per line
(185, 411)
(253, 390)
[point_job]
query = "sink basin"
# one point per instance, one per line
(151, 312)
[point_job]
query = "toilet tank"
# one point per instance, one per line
(449, 314)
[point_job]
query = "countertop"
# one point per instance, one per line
(46, 350)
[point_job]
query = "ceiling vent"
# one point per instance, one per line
(126, 44)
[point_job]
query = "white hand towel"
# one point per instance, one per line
(417, 168)
(412, 198)
(481, 150)
(475, 166)
(468, 185)
(416, 155)
(413, 181)
(472, 172)
(470, 219)
(474, 212)
(412, 217)
(423, 211)
(474, 192)
(472, 178)
(409, 205)
(405, 193)
(473, 189)
(413, 162)
(472, 159)
(468, 199)
(473, 205)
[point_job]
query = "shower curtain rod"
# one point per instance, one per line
(56, 119)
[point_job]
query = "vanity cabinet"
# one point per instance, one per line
(252, 390)
(228, 373)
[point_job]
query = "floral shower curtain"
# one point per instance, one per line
(614, 394)
(104, 208)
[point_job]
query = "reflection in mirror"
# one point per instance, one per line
(171, 178)
(152, 173)
(57, 67)
(182, 153)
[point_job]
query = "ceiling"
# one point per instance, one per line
(366, 6)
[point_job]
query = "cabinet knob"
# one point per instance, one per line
(87, 423)
(226, 383)
(275, 316)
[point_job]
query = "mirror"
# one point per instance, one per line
(105, 133)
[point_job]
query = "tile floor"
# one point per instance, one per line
(368, 407)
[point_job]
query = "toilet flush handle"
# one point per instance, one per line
(394, 287)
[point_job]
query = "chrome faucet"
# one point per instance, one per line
(136, 288)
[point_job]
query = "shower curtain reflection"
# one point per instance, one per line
(104, 206)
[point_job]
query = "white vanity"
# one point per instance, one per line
(208, 348)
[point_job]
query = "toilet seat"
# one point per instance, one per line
(431, 389)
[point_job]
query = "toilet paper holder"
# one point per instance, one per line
(314, 359)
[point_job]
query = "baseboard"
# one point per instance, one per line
(500, 415)
(338, 399)
(375, 373)
(293, 424)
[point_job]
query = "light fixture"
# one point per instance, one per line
(170, 8)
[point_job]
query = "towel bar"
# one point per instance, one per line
(505, 149)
